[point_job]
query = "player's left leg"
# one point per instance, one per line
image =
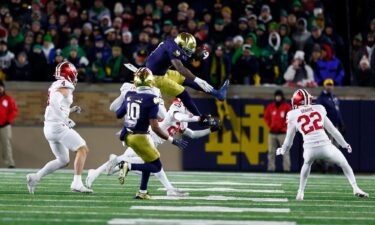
(73, 141)
(335, 156)
(286, 156)
(309, 157)
(178, 78)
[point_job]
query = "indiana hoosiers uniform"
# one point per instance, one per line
(58, 129)
(312, 122)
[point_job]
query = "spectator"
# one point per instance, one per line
(20, 68)
(366, 50)
(115, 71)
(8, 112)
(139, 58)
(98, 73)
(6, 58)
(52, 67)
(98, 11)
(301, 35)
(219, 67)
(218, 35)
(15, 38)
(127, 44)
(80, 62)
(332, 104)
(28, 43)
(246, 68)
(252, 23)
(99, 46)
(365, 75)
(48, 49)
(282, 60)
(275, 118)
(86, 40)
(335, 39)
(357, 45)
(299, 74)
(265, 15)
(317, 37)
(329, 67)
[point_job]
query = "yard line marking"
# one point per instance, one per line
(195, 222)
(180, 215)
(56, 220)
(226, 183)
(210, 209)
(221, 198)
(228, 190)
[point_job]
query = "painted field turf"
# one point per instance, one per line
(215, 199)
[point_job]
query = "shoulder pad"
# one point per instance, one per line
(127, 87)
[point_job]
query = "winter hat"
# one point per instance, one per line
(275, 46)
(358, 37)
(279, 93)
(299, 55)
(219, 21)
(283, 13)
(265, 8)
(242, 20)
(297, 3)
(168, 23)
(227, 10)
(328, 82)
(87, 26)
(261, 27)
(286, 40)
(317, 48)
(238, 38)
(119, 9)
(253, 17)
(37, 46)
(273, 25)
(47, 38)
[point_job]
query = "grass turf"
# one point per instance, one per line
(328, 199)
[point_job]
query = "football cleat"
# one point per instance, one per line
(175, 192)
(300, 196)
(360, 194)
(112, 163)
(143, 196)
(221, 94)
(91, 177)
(32, 180)
(124, 169)
(80, 188)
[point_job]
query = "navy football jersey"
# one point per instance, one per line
(138, 109)
(159, 60)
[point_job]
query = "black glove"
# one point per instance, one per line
(180, 143)
(216, 126)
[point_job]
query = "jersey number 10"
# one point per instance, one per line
(306, 126)
(133, 110)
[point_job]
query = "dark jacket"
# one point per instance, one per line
(332, 105)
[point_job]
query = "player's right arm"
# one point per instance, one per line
(121, 111)
(290, 133)
(331, 129)
(188, 74)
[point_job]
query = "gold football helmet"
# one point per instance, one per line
(187, 42)
(144, 77)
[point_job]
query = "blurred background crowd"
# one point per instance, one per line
(251, 42)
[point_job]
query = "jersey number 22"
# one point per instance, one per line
(306, 120)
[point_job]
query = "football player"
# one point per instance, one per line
(58, 129)
(140, 109)
(175, 122)
(312, 122)
(176, 52)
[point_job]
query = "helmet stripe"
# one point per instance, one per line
(307, 99)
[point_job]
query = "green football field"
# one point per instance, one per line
(215, 199)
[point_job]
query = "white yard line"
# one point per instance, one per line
(210, 209)
(221, 198)
(228, 190)
(226, 183)
(54, 220)
(194, 222)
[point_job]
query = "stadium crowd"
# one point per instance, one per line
(288, 42)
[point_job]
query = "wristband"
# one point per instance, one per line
(170, 139)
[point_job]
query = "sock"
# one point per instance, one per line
(129, 166)
(305, 172)
(144, 180)
(101, 168)
(77, 179)
(50, 167)
(349, 174)
(192, 84)
(188, 102)
(163, 179)
(143, 191)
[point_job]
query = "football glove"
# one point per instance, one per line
(207, 121)
(349, 148)
(203, 84)
(75, 109)
(180, 143)
(70, 123)
(201, 54)
(215, 126)
(280, 151)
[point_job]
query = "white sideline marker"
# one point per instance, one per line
(195, 222)
(210, 209)
(228, 190)
(226, 183)
(221, 198)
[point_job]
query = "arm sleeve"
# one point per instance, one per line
(331, 129)
(13, 111)
(55, 102)
(162, 113)
(116, 104)
(290, 133)
(196, 133)
(310, 73)
(121, 111)
(289, 74)
(267, 116)
(185, 118)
